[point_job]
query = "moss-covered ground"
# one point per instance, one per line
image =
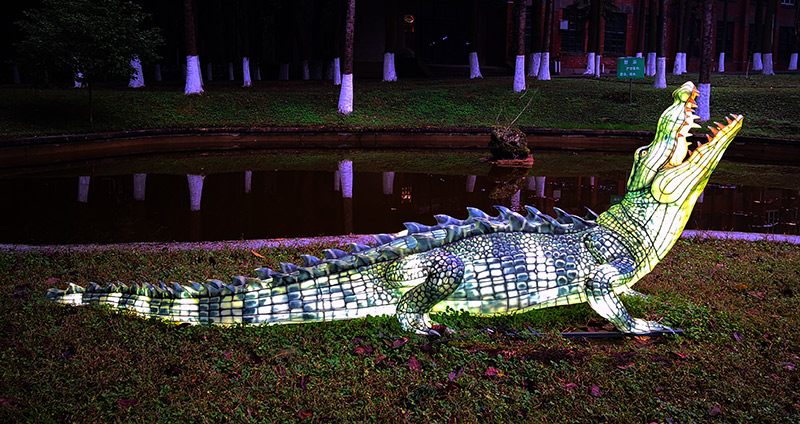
(769, 104)
(739, 360)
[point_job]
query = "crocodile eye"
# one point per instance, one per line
(643, 153)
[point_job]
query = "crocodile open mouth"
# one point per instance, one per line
(719, 133)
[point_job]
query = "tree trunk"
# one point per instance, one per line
(724, 46)
(768, 38)
(91, 106)
(193, 83)
(706, 58)
(544, 65)
(661, 62)
(652, 42)
(795, 40)
(759, 30)
(137, 79)
(346, 93)
(246, 71)
(519, 66)
(640, 42)
(474, 65)
(243, 14)
(389, 72)
(592, 42)
(535, 55)
(680, 43)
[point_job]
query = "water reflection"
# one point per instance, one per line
(268, 204)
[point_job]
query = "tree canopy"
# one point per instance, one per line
(93, 37)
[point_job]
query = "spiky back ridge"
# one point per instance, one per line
(416, 238)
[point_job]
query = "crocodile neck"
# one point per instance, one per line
(647, 228)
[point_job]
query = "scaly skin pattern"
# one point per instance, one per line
(484, 264)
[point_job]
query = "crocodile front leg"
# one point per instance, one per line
(444, 272)
(603, 299)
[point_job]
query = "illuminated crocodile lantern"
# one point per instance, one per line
(484, 264)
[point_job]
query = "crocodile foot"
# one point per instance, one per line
(640, 326)
(419, 323)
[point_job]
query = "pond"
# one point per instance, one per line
(95, 204)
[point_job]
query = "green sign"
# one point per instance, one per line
(630, 67)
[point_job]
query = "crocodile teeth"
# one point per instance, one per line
(681, 150)
(729, 120)
(720, 126)
(708, 136)
(713, 130)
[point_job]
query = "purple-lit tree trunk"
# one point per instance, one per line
(243, 13)
(768, 38)
(346, 93)
(519, 66)
(535, 55)
(706, 58)
(652, 42)
(661, 62)
(759, 32)
(723, 47)
(640, 32)
(795, 40)
(544, 63)
(389, 72)
(593, 51)
(194, 84)
(474, 65)
(137, 78)
(680, 41)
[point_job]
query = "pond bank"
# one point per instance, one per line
(35, 151)
(342, 240)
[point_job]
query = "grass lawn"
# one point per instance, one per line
(738, 362)
(769, 104)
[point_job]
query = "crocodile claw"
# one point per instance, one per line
(641, 326)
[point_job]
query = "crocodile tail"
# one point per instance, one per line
(211, 302)
(245, 300)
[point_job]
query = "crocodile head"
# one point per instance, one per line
(668, 177)
(672, 172)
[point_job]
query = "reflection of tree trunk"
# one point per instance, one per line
(768, 37)
(195, 191)
(519, 66)
(139, 186)
(346, 94)
(544, 66)
(706, 58)
(83, 188)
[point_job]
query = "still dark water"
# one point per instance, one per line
(310, 203)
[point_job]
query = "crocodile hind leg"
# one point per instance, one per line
(443, 273)
(603, 299)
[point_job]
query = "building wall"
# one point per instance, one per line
(740, 12)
